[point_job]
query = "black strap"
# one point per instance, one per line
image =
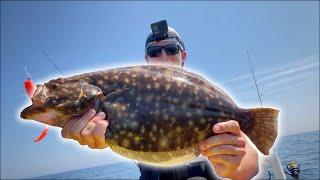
(195, 169)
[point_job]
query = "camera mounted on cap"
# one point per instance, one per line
(160, 30)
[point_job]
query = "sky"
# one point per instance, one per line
(282, 39)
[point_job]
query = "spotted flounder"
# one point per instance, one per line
(157, 114)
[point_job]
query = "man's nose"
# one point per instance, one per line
(163, 54)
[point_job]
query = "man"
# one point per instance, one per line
(228, 152)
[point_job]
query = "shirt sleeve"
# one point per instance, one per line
(263, 167)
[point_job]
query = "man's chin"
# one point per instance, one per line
(165, 63)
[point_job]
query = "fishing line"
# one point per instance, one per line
(51, 61)
(25, 70)
(30, 89)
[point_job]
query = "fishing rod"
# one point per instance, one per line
(254, 77)
(274, 157)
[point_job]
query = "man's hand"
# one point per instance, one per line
(88, 129)
(229, 152)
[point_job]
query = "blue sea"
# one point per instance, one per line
(302, 148)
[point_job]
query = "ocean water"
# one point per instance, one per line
(302, 148)
(123, 170)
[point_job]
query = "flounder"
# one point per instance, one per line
(157, 114)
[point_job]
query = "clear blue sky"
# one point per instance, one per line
(282, 38)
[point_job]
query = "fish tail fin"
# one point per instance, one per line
(264, 129)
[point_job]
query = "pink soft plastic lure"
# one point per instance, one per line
(30, 88)
(43, 134)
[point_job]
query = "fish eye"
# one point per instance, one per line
(51, 100)
(53, 86)
(42, 96)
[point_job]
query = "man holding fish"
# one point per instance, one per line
(229, 152)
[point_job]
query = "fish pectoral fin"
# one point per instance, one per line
(106, 100)
(115, 93)
(88, 90)
(96, 104)
(81, 94)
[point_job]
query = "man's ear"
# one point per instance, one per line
(146, 58)
(183, 56)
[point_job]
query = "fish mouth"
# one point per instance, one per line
(40, 114)
(27, 112)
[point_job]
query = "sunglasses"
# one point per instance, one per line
(155, 51)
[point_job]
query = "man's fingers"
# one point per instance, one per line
(99, 134)
(229, 161)
(227, 139)
(227, 127)
(86, 134)
(224, 149)
(65, 132)
(89, 129)
(100, 116)
(77, 127)
(220, 168)
(83, 120)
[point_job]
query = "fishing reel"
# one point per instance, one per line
(294, 168)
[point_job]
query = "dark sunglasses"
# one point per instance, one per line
(155, 51)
